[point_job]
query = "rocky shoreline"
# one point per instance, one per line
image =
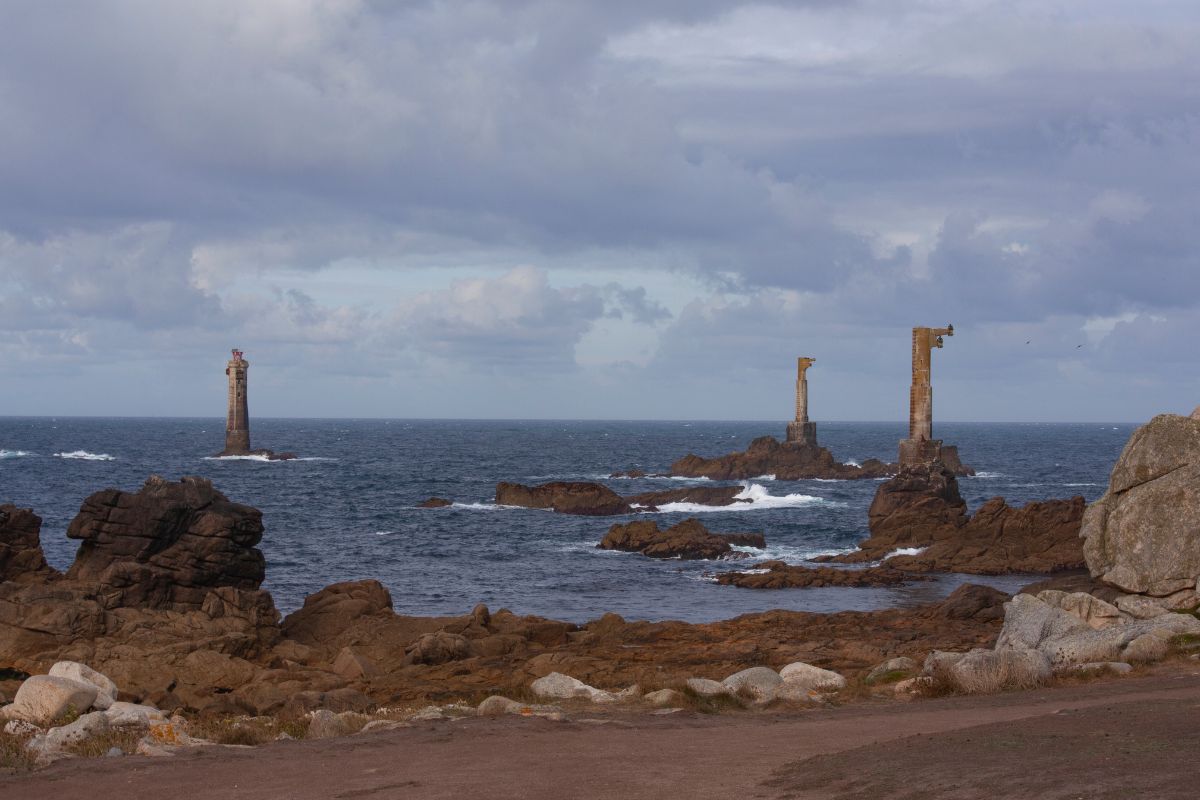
(162, 614)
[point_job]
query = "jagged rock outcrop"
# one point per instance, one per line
(167, 545)
(689, 539)
(597, 500)
(1143, 535)
(921, 509)
(787, 461)
(1038, 537)
(780, 575)
(21, 556)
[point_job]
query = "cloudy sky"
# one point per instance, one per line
(620, 209)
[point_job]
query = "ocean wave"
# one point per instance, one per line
(755, 497)
(258, 457)
(1081, 484)
(763, 478)
(790, 554)
(905, 551)
(853, 463)
(494, 507)
(84, 455)
(14, 453)
(985, 474)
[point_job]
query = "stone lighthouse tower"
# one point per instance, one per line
(237, 422)
(800, 430)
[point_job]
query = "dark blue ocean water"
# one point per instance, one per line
(348, 510)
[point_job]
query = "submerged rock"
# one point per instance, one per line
(688, 539)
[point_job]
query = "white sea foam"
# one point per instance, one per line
(983, 474)
(754, 497)
(763, 478)
(260, 457)
(84, 455)
(790, 554)
(495, 507)
(905, 551)
(1081, 484)
(236, 458)
(854, 463)
(14, 453)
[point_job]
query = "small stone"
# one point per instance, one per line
(563, 687)
(665, 698)
(892, 669)
(1147, 647)
(797, 692)
(114, 752)
(1115, 667)
(19, 727)
(497, 706)
(381, 725)
(705, 687)
(481, 615)
(324, 724)
(132, 715)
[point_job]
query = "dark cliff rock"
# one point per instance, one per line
(21, 557)
(921, 508)
(435, 502)
(689, 540)
(785, 460)
(167, 545)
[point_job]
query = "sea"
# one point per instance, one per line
(346, 509)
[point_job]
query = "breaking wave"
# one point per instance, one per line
(754, 497)
(14, 453)
(905, 551)
(983, 474)
(84, 455)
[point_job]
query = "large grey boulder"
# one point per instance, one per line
(557, 686)
(985, 671)
(52, 744)
(1143, 535)
(106, 690)
(706, 687)
(1033, 624)
(758, 682)
(42, 699)
(812, 678)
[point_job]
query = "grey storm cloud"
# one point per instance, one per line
(777, 171)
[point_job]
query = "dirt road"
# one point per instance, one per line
(1119, 738)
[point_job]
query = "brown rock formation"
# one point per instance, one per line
(922, 508)
(689, 539)
(21, 555)
(167, 545)
(780, 575)
(787, 461)
(435, 502)
(597, 500)
(565, 497)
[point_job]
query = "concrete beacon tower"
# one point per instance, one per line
(800, 430)
(237, 423)
(920, 446)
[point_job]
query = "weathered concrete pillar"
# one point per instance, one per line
(920, 446)
(801, 430)
(237, 422)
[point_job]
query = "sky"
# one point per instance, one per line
(626, 209)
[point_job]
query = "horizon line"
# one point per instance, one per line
(218, 418)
